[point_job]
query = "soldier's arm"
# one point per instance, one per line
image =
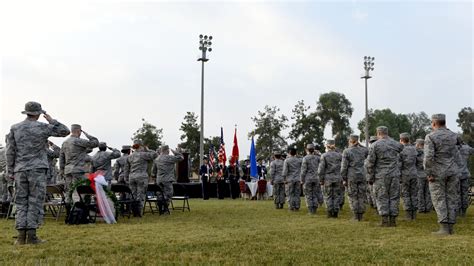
(126, 170)
(322, 169)
(10, 154)
(285, 170)
(178, 157)
(344, 165)
(57, 129)
(370, 164)
(272, 169)
(154, 170)
(93, 142)
(428, 161)
(116, 170)
(114, 154)
(304, 170)
(62, 160)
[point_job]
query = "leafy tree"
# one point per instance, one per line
(306, 127)
(420, 125)
(396, 123)
(268, 130)
(149, 134)
(191, 138)
(335, 108)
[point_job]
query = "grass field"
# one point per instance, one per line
(243, 232)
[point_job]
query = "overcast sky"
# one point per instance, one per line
(106, 66)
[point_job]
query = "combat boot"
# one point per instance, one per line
(21, 239)
(31, 237)
(359, 216)
(413, 215)
(329, 214)
(462, 213)
(385, 221)
(393, 221)
(336, 213)
(443, 230)
(277, 206)
(451, 229)
(355, 217)
(408, 216)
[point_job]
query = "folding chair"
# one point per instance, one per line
(184, 198)
(244, 190)
(55, 201)
(125, 199)
(152, 198)
(87, 197)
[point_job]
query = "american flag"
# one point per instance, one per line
(222, 155)
(212, 157)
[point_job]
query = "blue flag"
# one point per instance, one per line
(253, 161)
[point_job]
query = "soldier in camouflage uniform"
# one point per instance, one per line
(74, 159)
(291, 175)
(424, 197)
(164, 170)
(441, 155)
(278, 182)
(409, 177)
(329, 172)
(27, 163)
(136, 170)
(353, 174)
(370, 187)
(4, 180)
(119, 166)
(102, 160)
(464, 181)
(384, 173)
(309, 178)
(53, 152)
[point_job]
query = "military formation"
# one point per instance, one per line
(432, 174)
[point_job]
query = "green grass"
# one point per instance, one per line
(243, 232)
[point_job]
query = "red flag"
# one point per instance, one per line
(235, 150)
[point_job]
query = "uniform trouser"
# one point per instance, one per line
(424, 197)
(410, 193)
(167, 188)
(311, 190)
(5, 184)
(279, 193)
(332, 195)
(293, 191)
(463, 192)
(357, 192)
(221, 188)
(369, 195)
(70, 180)
(139, 186)
(387, 195)
(342, 197)
(205, 187)
(234, 189)
(29, 198)
(445, 198)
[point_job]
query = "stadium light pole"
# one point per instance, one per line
(204, 46)
(368, 66)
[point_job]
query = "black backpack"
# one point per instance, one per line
(79, 214)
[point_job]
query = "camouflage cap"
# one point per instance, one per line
(354, 137)
(330, 142)
(420, 141)
(405, 135)
(102, 145)
(164, 148)
(277, 153)
(438, 117)
(33, 108)
(310, 146)
(372, 139)
(75, 127)
(126, 148)
(137, 142)
(382, 129)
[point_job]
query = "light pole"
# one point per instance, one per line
(368, 66)
(205, 46)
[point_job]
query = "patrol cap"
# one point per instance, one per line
(405, 135)
(310, 146)
(330, 142)
(76, 127)
(260, 159)
(102, 145)
(372, 139)
(277, 153)
(126, 148)
(420, 141)
(137, 142)
(438, 117)
(382, 129)
(354, 137)
(164, 148)
(33, 108)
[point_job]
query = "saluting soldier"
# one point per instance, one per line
(119, 166)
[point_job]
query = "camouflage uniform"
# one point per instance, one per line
(102, 161)
(353, 173)
(119, 168)
(409, 182)
(309, 179)
(370, 187)
(5, 181)
(136, 172)
(464, 181)
(424, 197)
(291, 175)
(164, 170)
(53, 154)
(27, 161)
(329, 172)
(384, 172)
(74, 160)
(441, 152)
(276, 172)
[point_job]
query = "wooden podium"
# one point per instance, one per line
(182, 169)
